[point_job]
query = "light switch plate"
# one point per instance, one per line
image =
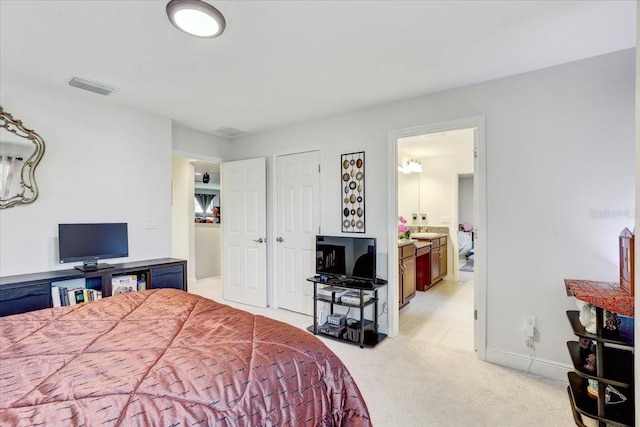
(150, 222)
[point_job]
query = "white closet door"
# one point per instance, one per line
(298, 221)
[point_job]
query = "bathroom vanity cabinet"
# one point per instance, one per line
(406, 273)
(438, 256)
(423, 266)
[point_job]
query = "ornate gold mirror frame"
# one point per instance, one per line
(20, 152)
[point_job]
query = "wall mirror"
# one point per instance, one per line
(207, 192)
(20, 152)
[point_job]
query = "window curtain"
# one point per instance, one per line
(204, 200)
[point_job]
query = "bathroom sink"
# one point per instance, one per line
(425, 235)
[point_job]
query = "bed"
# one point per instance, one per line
(165, 357)
(465, 244)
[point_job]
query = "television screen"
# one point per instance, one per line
(91, 242)
(351, 257)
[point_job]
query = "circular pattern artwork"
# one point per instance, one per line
(353, 212)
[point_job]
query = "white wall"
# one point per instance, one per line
(102, 163)
(559, 153)
(465, 200)
(437, 186)
(182, 214)
(208, 242)
(198, 145)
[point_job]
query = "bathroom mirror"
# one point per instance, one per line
(20, 152)
(207, 192)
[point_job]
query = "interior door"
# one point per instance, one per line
(244, 231)
(298, 221)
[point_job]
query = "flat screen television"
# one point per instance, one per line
(91, 242)
(346, 256)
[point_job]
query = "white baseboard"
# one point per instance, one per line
(521, 362)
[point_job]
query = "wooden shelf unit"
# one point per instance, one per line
(614, 360)
(28, 292)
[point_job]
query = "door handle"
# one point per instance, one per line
(279, 240)
(260, 240)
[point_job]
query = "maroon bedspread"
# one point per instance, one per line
(168, 358)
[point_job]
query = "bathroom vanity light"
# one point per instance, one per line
(413, 166)
(195, 17)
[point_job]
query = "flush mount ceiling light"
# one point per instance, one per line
(196, 17)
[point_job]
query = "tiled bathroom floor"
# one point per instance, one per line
(443, 315)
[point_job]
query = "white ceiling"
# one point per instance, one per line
(284, 62)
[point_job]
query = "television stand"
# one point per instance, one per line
(354, 283)
(359, 331)
(29, 292)
(93, 266)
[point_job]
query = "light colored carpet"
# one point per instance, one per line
(422, 378)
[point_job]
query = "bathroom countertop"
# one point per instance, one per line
(430, 235)
(418, 244)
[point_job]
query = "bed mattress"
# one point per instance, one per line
(168, 358)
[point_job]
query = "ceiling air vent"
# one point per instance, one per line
(94, 87)
(229, 131)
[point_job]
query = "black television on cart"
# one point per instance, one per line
(89, 243)
(348, 257)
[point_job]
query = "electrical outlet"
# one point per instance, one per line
(529, 326)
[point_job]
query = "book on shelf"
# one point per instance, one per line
(62, 296)
(55, 297)
(124, 284)
(75, 296)
(142, 282)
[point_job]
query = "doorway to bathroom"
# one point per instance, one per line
(439, 188)
(434, 174)
(432, 200)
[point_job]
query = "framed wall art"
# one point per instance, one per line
(352, 188)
